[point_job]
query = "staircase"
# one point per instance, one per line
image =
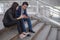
(9, 33)
(42, 30)
(44, 33)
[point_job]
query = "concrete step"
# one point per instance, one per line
(43, 34)
(53, 34)
(7, 35)
(34, 22)
(1, 24)
(58, 35)
(38, 27)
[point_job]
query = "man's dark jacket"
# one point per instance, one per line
(18, 12)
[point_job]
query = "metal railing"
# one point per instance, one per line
(49, 12)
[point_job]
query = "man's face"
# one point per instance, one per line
(24, 7)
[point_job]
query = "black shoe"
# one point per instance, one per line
(31, 31)
(28, 35)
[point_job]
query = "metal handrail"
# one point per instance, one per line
(48, 4)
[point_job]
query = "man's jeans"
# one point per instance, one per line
(22, 25)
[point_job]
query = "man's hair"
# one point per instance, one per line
(25, 3)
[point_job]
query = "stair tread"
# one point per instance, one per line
(8, 35)
(58, 35)
(43, 34)
(13, 32)
(33, 22)
(36, 29)
(53, 34)
(1, 24)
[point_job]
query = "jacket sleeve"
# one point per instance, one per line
(11, 16)
(18, 12)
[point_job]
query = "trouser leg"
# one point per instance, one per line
(29, 23)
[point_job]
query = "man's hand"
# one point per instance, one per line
(25, 16)
(20, 17)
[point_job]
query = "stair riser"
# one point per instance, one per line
(38, 32)
(15, 37)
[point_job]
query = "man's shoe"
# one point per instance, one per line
(31, 31)
(28, 35)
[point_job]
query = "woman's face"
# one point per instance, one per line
(17, 7)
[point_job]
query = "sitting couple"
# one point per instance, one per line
(17, 15)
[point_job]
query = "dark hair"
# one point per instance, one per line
(25, 3)
(14, 5)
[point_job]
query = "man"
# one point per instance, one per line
(22, 12)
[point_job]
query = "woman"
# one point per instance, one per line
(9, 17)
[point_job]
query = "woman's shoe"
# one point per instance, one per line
(23, 35)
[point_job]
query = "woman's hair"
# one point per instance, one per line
(14, 5)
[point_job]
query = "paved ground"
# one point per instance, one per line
(1, 24)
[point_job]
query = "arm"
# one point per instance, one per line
(14, 19)
(25, 13)
(11, 16)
